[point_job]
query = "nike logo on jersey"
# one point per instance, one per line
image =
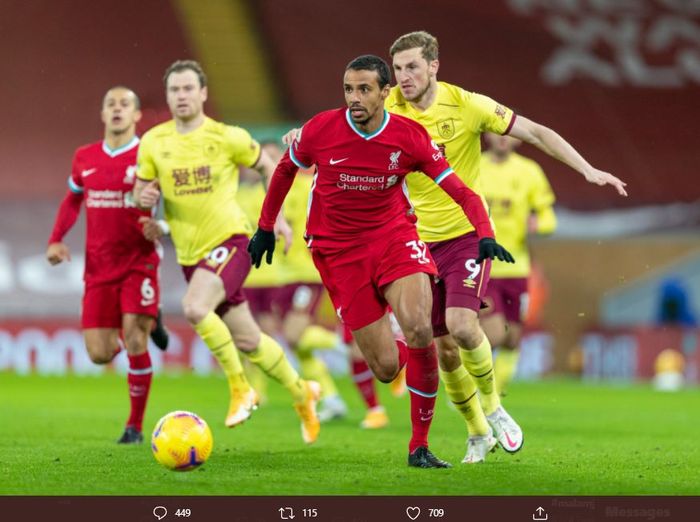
(335, 162)
(87, 172)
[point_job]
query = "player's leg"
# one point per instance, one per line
(363, 378)
(101, 321)
(410, 298)
(465, 286)
(505, 324)
(299, 303)
(139, 301)
(102, 344)
(493, 323)
(260, 301)
(263, 351)
(459, 386)
(462, 392)
(204, 293)
(136, 328)
(507, 358)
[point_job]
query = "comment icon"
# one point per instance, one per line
(159, 512)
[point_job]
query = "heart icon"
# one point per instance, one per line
(413, 512)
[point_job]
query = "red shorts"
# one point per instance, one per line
(507, 296)
(355, 276)
(231, 262)
(299, 297)
(104, 304)
(461, 283)
(261, 299)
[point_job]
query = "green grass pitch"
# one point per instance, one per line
(58, 435)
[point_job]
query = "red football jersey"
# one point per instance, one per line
(359, 189)
(114, 241)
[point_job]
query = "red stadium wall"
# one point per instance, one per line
(59, 59)
(618, 79)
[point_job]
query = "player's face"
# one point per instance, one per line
(501, 145)
(414, 75)
(185, 96)
(119, 112)
(363, 96)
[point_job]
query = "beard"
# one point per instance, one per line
(418, 97)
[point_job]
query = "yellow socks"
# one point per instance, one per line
(317, 338)
(479, 364)
(270, 358)
(462, 392)
(504, 367)
(314, 369)
(217, 337)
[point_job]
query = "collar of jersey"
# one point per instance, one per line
(116, 152)
(364, 135)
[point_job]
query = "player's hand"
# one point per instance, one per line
(261, 242)
(57, 253)
(289, 138)
(283, 230)
(489, 249)
(149, 196)
(600, 177)
(151, 228)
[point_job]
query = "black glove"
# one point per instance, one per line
(261, 242)
(489, 249)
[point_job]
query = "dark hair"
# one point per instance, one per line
(137, 101)
(370, 62)
(427, 42)
(186, 65)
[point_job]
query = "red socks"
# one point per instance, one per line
(422, 380)
(364, 380)
(139, 379)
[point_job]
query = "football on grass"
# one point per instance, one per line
(181, 441)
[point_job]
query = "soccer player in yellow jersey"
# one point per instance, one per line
(455, 119)
(192, 162)
(521, 200)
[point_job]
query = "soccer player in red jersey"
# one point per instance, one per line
(362, 234)
(121, 266)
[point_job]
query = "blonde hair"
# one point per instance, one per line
(426, 41)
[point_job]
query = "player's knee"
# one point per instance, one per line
(246, 341)
(194, 312)
(448, 356)
(101, 357)
(386, 374)
(467, 334)
(420, 334)
(136, 342)
(385, 369)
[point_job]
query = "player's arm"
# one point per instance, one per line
(266, 167)
(263, 241)
(57, 251)
(146, 191)
(557, 147)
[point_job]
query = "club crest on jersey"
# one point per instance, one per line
(500, 111)
(130, 174)
(212, 149)
(446, 128)
(394, 160)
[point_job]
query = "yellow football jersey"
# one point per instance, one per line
(250, 197)
(298, 263)
(455, 122)
(198, 176)
(514, 189)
